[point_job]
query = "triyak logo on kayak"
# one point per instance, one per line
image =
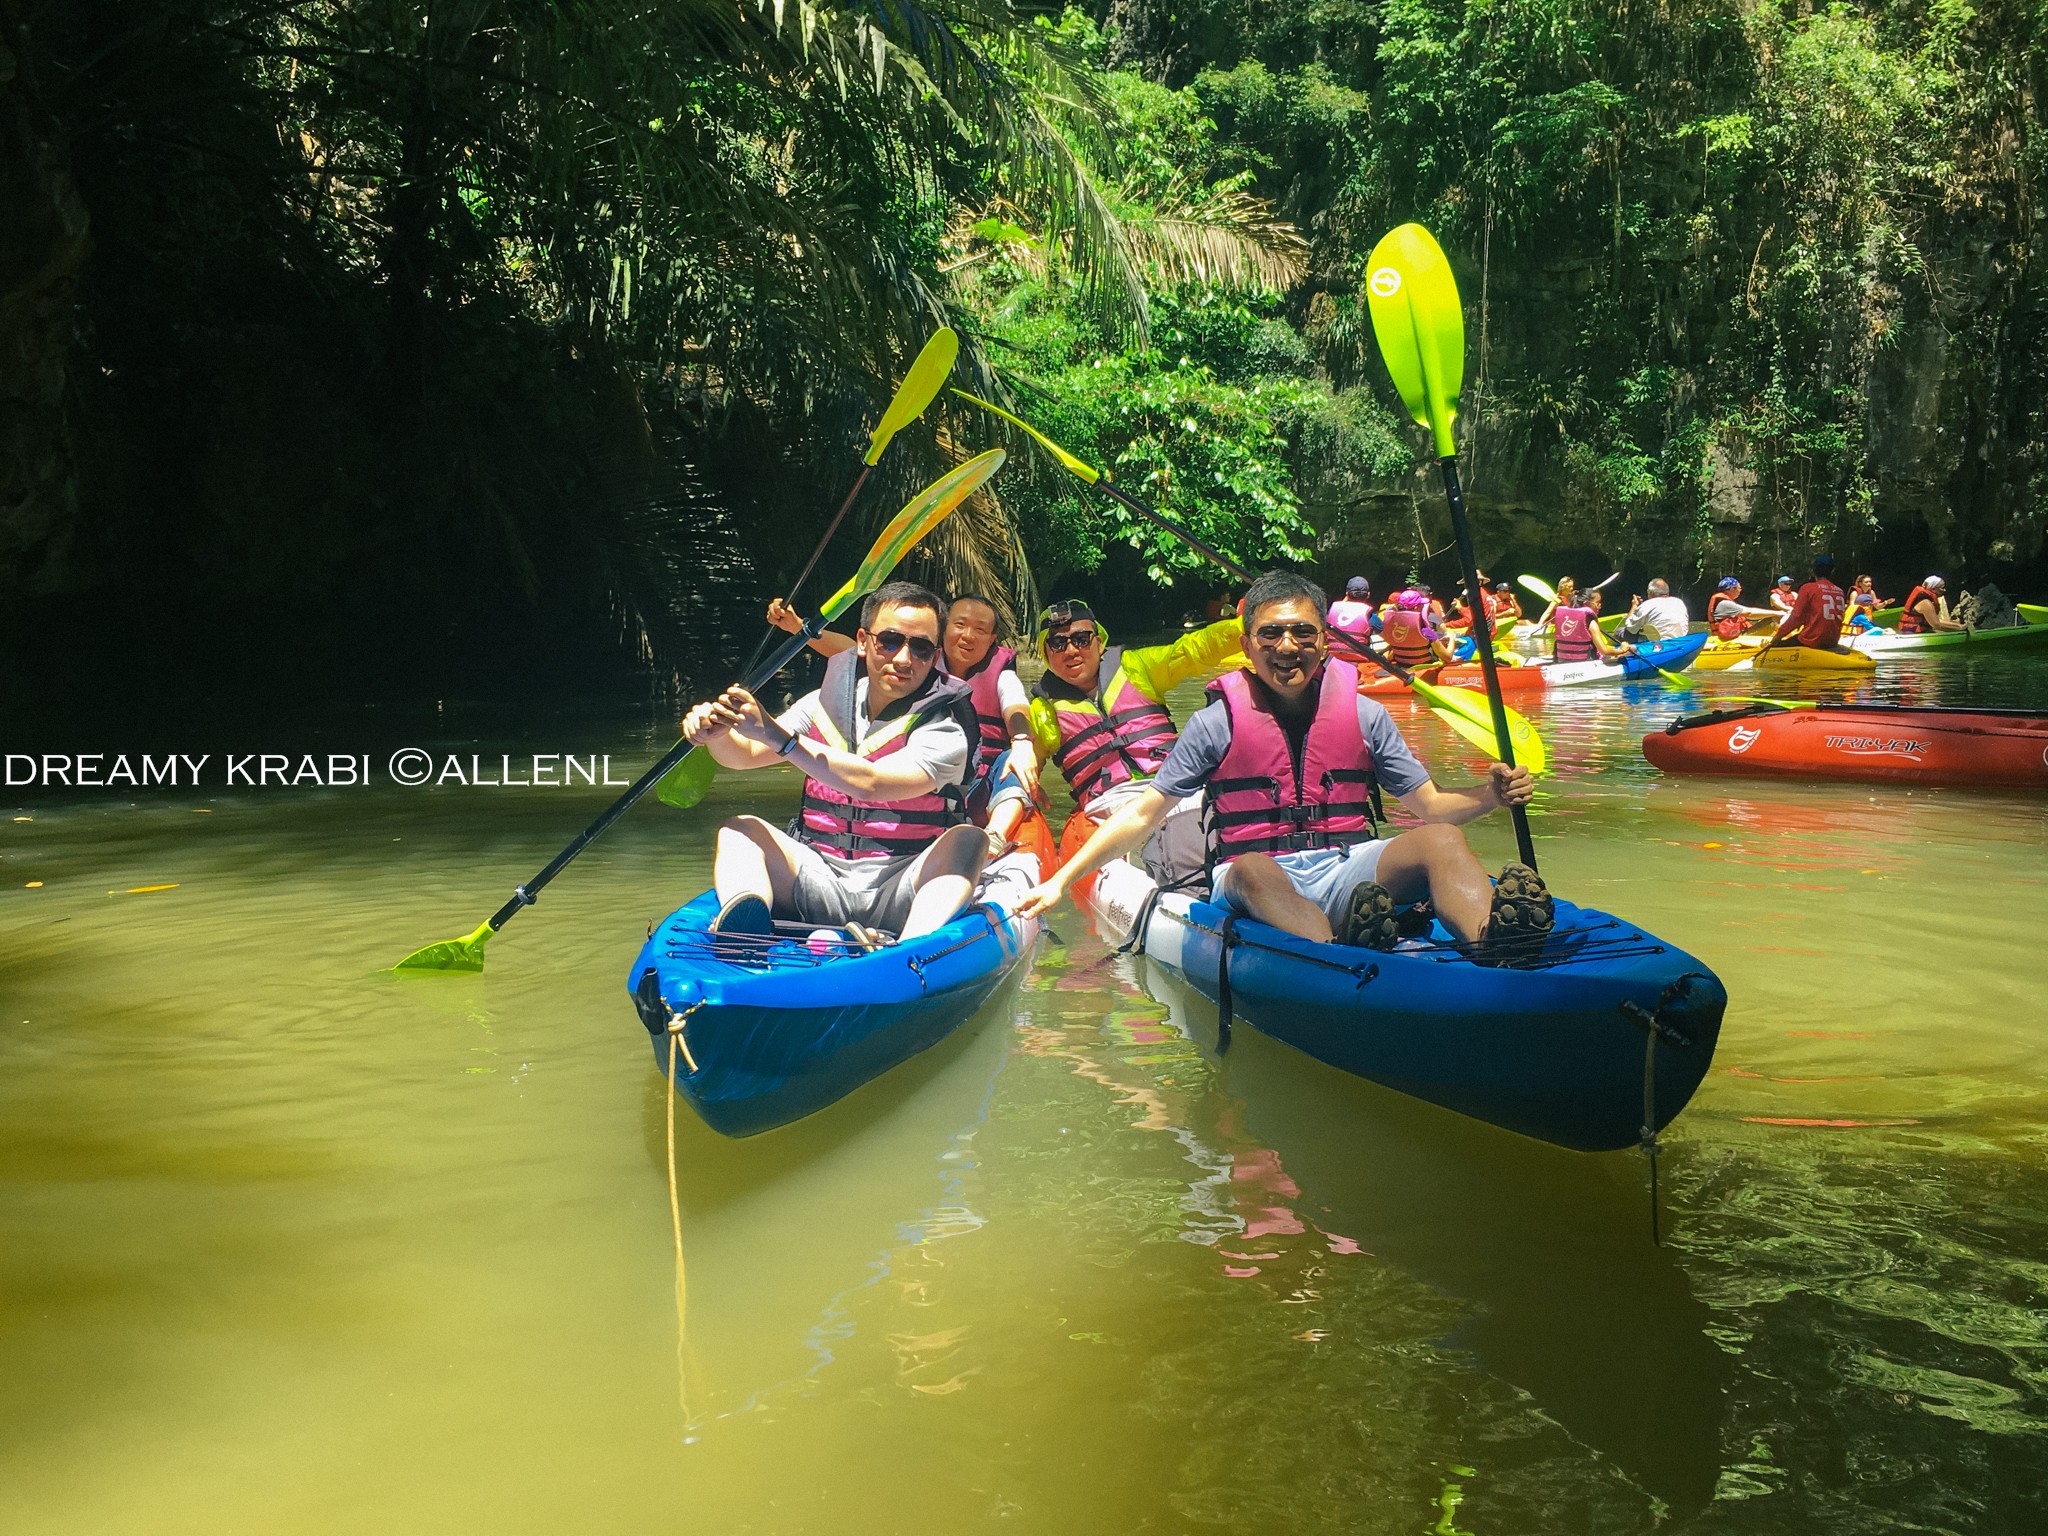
(1742, 738)
(1879, 746)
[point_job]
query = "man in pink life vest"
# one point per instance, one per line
(882, 841)
(1002, 780)
(1287, 757)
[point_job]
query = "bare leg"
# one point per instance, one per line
(1259, 888)
(1006, 818)
(1435, 863)
(753, 859)
(944, 877)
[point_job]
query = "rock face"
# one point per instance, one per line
(1986, 608)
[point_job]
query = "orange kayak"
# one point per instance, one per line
(1513, 680)
(1991, 749)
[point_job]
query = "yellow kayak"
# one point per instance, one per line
(1748, 654)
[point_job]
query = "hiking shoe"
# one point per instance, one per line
(1522, 914)
(1369, 921)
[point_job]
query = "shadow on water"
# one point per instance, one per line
(1550, 1250)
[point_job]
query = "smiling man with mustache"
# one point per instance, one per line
(1287, 758)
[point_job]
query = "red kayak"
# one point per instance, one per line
(1988, 748)
(1513, 680)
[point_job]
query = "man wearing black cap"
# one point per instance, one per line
(1816, 613)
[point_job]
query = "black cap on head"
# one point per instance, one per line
(1059, 615)
(1358, 586)
(1823, 565)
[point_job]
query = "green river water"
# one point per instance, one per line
(291, 1244)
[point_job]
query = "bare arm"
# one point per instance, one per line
(784, 617)
(739, 733)
(1126, 830)
(1459, 804)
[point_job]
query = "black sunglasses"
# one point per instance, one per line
(1302, 634)
(889, 641)
(1079, 639)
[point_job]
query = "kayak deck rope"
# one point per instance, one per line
(1565, 948)
(1654, 1025)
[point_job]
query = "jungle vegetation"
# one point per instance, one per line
(352, 344)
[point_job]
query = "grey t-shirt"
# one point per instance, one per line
(939, 747)
(1206, 737)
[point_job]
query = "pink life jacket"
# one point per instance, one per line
(982, 680)
(1110, 736)
(1264, 798)
(1574, 634)
(872, 829)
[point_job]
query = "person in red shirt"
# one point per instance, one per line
(1815, 621)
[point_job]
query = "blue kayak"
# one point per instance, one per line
(1553, 1047)
(1673, 655)
(777, 1027)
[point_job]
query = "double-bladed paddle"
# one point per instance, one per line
(1462, 710)
(1420, 325)
(923, 514)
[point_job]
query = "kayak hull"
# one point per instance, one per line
(1513, 680)
(1673, 655)
(1865, 743)
(781, 1036)
(2029, 636)
(1551, 1052)
(1795, 658)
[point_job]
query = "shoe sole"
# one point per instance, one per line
(1369, 921)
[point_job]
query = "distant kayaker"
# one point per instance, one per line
(1353, 612)
(1729, 617)
(1286, 758)
(1815, 622)
(1413, 638)
(1574, 623)
(1659, 616)
(1502, 603)
(1099, 712)
(882, 840)
(1926, 612)
(1782, 595)
(1863, 596)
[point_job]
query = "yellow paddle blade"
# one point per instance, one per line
(925, 511)
(1086, 473)
(690, 780)
(464, 954)
(918, 389)
(1420, 323)
(1539, 586)
(1744, 698)
(1460, 708)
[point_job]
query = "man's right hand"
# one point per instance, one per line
(1042, 898)
(707, 722)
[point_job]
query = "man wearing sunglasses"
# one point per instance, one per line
(1286, 758)
(882, 841)
(1099, 710)
(1002, 781)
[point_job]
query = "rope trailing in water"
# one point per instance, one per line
(678, 1047)
(1654, 1024)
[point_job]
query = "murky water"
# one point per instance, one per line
(288, 1244)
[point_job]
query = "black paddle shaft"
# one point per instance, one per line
(1482, 636)
(527, 894)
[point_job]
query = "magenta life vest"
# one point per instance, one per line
(1264, 798)
(1110, 736)
(982, 681)
(871, 829)
(1403, 632)
(1574, 634)
(1910, 622)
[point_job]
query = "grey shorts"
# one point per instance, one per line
(1326, 876)
(831, 892)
